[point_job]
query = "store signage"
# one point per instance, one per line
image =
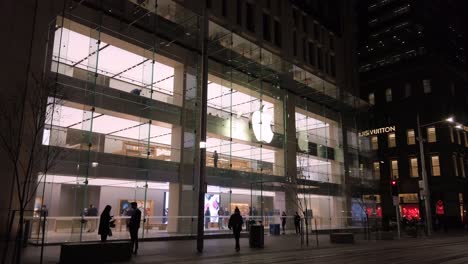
(261, 125)
(377, 131)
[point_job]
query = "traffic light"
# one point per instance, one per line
(394, 188)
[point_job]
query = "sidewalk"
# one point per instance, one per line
(216, 249)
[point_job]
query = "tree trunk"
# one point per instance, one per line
(19, 238)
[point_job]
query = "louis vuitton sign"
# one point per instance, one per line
(377, 131)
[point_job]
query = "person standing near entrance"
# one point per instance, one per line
(235, 224)
(133, 226)
(215, 159)
(93, 212)
(283, 221)
(297, 223)
(104, 223)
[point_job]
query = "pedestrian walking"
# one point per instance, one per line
(105, 223)
(297, 223)
(235, 224)
(215, 159)
(207, 217)
(133, 226)
(283, 221)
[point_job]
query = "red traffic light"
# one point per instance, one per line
(393, 183)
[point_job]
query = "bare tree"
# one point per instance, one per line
(25, 117)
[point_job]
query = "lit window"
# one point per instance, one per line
(427, 86)
(371, 99)
(435, 166)
(376, 169)
(388, 95)
(374, 143)
(394, 169)
(410, 137)
(407, 90)
(391, 140)
(414, 170)
(455, 167)
(462, 166)
(431, 134)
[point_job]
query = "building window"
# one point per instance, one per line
(316, 32)
(376, 169)
(431, 134)
(311, 53)
(294, 44)
(371, 99)
(451, 134)
(266, 27)
(462, 167)
(250, 10)
(333, 65)
(411, 140)
(224, 8)
(435, 166)
(391, 140)
(414, 170)
(277, 27)
(394, 169)
(407, 90)
(375, 142)
(304, 49)
(427, 86)
(239, 12)
(388, 95)
(304, 24)
(295, 18)
(455, 167)
(320, 59)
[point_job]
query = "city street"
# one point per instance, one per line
(443, 248)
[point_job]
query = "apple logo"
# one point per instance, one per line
(261, 125)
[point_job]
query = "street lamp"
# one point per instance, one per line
(426, 191)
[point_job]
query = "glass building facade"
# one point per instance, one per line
(124, 124)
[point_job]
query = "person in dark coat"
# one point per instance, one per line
(297, 223)
(134, 225)
(283, 221)
(215, 159)
(104, 223)
(235, 224)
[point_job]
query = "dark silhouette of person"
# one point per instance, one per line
(297, 223)
(104, 223)
(215, 159)
(207, 217)
(133, 226)
(283, 221)
(235, 224)
(136, 91)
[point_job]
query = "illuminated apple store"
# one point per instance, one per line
(125, 122)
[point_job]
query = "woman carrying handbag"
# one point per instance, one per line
(105, 223)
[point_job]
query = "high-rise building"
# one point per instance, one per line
(412, 61)
(142, 94)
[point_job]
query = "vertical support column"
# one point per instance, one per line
(279, 168)
(203, 123)
(291, 191)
